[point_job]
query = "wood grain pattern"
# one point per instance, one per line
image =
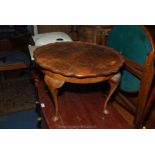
(78, 62)
(80, 108)
(77, 59)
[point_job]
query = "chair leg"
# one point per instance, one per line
(149, 103)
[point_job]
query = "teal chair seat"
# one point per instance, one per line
(133, 42)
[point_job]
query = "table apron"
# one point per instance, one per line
(85, 80)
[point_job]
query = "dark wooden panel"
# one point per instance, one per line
(94, 33)
(54, 28)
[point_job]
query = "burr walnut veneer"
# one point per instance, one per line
(78, 62)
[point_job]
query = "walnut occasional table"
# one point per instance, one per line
(78, 62)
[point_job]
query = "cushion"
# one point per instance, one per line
(31, 50)
(46, 38)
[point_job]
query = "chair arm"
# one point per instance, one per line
(134, 68)
(133, 64)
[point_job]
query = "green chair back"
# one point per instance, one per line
(134, 43)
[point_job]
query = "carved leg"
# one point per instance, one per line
(53, 85)
(114, 82)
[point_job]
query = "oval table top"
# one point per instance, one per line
(78, 59)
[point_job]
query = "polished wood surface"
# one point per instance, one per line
(80, 108)
(78, 62)
(78, 59)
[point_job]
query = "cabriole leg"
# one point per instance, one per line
(53, 85)
(114, 82)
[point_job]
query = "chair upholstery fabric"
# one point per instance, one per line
(133, 43)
